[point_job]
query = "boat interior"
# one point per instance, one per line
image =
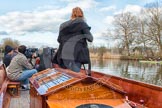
(63, 88)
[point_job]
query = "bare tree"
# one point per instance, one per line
(142, 41)
(125, 30)
(154, 24)
(9, 41)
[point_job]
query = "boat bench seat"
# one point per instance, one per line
(11, 86)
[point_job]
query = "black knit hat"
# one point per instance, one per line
(8, 49)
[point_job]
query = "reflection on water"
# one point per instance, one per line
(145, 72)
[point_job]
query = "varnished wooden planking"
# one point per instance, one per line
(6, 101)
(79, 87)
(88, 91)
(22, 102)
(74, 103)
(136, 91)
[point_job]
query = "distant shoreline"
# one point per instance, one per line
(115, 56)
(106, 56)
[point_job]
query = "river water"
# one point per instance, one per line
(145, 72)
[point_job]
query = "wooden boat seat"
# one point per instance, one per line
(12, 86)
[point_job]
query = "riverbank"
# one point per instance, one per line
(109, 56)
(116, 56)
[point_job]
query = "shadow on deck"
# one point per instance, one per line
(22, 102)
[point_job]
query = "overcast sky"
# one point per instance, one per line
(36, 22)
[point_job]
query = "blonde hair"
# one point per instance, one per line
(77, 12)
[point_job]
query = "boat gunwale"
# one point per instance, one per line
(154, 87)
(109, 86)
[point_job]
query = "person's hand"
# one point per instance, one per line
(34, 55)
(37, 60)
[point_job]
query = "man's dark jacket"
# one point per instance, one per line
(73, 36)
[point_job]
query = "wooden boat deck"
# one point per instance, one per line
(22, 102)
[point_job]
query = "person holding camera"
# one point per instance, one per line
(20, 69)
(33, 56)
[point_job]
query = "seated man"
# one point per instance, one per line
(8, 55)
(20, 69)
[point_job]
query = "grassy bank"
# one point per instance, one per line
(108, 56)
(116, 56)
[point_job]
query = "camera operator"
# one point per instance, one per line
(20, 69)
(33, 56)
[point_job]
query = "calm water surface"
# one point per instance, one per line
(145, 72)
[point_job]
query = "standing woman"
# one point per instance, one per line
(73, 36)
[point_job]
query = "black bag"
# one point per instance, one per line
(45, 59)
(83, 56)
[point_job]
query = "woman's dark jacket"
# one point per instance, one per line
(73, 36)
(7, 57)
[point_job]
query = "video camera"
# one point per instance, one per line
(30, 51)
